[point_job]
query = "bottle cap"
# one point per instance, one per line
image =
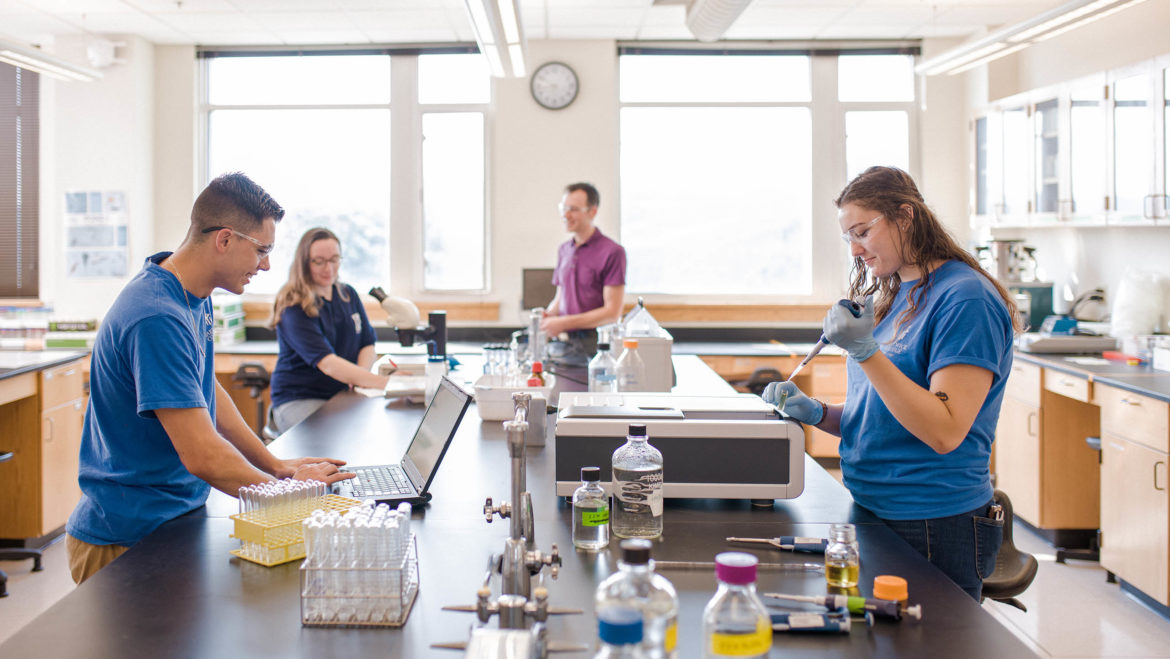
(890, 587)
(537, 367)
(590, 474)
(436, 358)
(736, 567)
(603, 346)
(636, 551)
(630, 343)
(619, 625)
(637, 429)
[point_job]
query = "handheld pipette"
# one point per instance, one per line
(834, 621)
(859, 605)
(708, 565)
(790, 543)
(855, 309)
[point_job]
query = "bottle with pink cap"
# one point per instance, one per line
(735, 622)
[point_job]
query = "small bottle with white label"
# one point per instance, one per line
(590, 512)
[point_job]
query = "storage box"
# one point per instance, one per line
(360, 597)
(1161, 358)
(493, 395)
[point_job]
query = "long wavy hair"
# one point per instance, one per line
(298, 290)
(925, 242)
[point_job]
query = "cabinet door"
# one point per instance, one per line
(1135, 515)
(60, 445)
(1017, 456)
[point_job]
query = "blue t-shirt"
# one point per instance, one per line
(341, 328)
(963, 320)
(153, 351)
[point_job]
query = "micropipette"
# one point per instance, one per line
(708, 565)
(855, 309)
(859, 605)
(790, 543)
(834, 621)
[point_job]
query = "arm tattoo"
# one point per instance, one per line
(942, 395)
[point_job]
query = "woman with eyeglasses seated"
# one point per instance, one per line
(326, 341)
(928, 360)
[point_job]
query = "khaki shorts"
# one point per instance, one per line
(85, 559)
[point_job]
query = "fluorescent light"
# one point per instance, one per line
(1001, 43)
(43, 63)
(500, 35)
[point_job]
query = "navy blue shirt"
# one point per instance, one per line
(341, 328)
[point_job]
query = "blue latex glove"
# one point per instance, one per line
(795, 403)
(853, 334)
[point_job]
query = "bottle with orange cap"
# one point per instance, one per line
(631, 369)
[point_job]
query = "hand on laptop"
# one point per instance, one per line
(318, 469)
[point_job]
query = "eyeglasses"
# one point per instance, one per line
(857, 235)
(571, 209)
(261, 249)
(319, 261)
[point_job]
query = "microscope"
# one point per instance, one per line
(403, 318)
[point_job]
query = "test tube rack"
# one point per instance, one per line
(269, 538)
(360, 597)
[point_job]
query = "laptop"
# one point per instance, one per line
(410, 479)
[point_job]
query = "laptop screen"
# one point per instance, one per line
(438, 425)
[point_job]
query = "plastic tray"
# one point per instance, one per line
(360, 597)
(275, 539)
(493, 399)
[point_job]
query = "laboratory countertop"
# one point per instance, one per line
(730, 348)
(180, 591)
(1138, 379)
(13, 363)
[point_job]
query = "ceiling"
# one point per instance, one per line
(335, 22)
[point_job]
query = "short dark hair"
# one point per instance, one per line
(592, 198)
(236, 201)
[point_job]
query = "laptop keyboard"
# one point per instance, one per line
(380, 481)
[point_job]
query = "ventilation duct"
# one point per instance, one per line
(709, 19)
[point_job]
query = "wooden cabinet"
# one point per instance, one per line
(1135, 504)
(1041, 458)
(38, 487)
(226, 366)
(824, 379)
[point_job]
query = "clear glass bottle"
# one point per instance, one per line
(536, 378)
(620, 632)
(631, 370)
(636, 585)
(636, 487)
(735, 622)
(842, 557)
(603, 371)
(590, 512)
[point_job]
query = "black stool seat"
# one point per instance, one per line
(1014, 569)
(255, 378)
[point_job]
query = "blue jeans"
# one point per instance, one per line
(964, 546)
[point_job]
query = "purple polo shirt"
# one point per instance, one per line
(582, 270)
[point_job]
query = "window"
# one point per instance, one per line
(19, 181)
(327, 150)
(718, 169)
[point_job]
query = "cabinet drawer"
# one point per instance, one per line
(61, 384)
(1064, 384)
(1135, 417)
(1024, 383)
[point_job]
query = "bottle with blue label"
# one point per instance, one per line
(620, 632)
(603, 371)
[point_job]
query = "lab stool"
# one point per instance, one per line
(759, 380)
(16, 553)
(254, 377)
(1014, 569)
(1093, 551)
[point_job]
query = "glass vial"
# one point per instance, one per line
(620, 632)
(603, 371)
(637, 487)
(536, 377)
(842, 557)
(735, 622)
(636, 585)
(631, 370)
(590, 512)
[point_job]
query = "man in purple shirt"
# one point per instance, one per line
(590, 277)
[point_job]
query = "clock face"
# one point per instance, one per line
(554, 85)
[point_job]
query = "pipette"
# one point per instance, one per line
(790, 543)
(708, 565)
(859, 605)
(855, 309)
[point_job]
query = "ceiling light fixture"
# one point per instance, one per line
(709, 19)
(499, 35)
(45, 64)
(1015, 38)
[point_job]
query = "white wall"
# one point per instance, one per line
(175, 142)
(945, 145)
(100, 137)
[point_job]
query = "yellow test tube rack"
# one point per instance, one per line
(268, 538)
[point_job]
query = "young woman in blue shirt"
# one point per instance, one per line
(928, 361)
(325, 338)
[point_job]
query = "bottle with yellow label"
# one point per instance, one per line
(635, 584)
(735, 622)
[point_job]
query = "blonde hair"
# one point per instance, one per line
(298, 290)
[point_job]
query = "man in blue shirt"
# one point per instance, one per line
(160, 431)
